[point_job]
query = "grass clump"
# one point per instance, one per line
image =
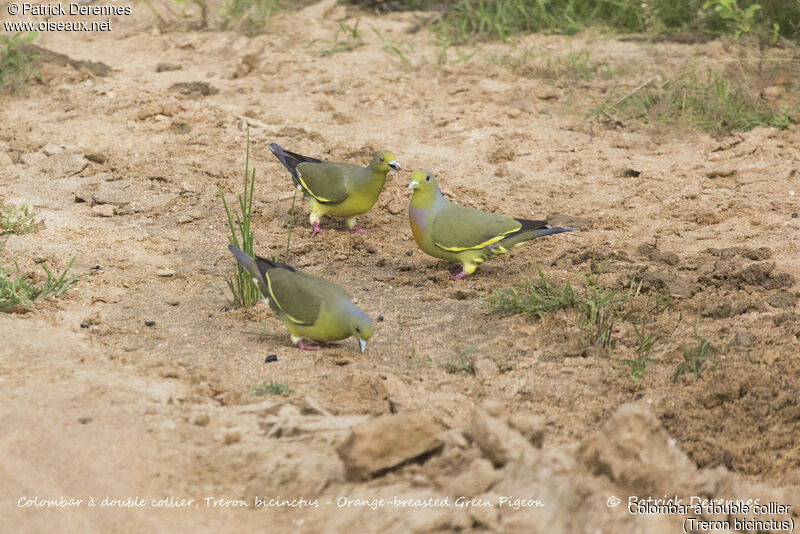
(18, 220)
(244, 291)
(463, 21)
(716, 103)
(695, 359)
(271, 388)
(16, 62)
(600, 312)
(533, 298)
(347, 38)
(249, 16)
(17, 294)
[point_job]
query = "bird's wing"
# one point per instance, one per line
(457, 228)
(326, 181)
(293, 295)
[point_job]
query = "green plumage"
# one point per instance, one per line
(308, 305)
(337, 189)
(461, 234)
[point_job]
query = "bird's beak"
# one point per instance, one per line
(393, 165)
(362, 344)
(413, 184)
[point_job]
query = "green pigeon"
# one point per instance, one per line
(309, 306)
(337, 189)
(461, 234)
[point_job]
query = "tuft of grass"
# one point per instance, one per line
(18, 294)
(18, 220)
(250, 16)
(463, 21)
(392, 47)
(271, 388)
(347, 38)
(714, 102)
(533, 298)
(244, 291)
(644, 343)
(460, 363)
(598, 309)
(16, 63)
(695, 359)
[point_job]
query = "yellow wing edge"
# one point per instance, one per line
(491, 241)
(278, 304)
(308, 189)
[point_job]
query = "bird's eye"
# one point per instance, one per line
(381, 159)
(358, 329)
(427, 178)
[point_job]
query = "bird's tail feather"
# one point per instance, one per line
(550, 231)
(246, 261)
(291, 160)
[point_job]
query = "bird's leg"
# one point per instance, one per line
(458, 275)
(351, 222)
(313, 218)
(303, 346)
(316, 229)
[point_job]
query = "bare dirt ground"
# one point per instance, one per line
(124, 170)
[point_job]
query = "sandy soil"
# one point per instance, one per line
(124, 169)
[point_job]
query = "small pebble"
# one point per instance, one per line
(96, 268)
(164, 273)
(149, 323)
(84, 325)
(84, 420)
(202, 420)
(380, 318)
(794, 215)
(271, 358)
(232, 437)
(408, 253)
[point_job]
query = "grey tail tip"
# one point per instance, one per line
(556, 230)
(275, 148)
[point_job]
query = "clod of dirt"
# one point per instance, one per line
(727, 305)
(782, 299)
(194, 89)
(167, 67)
(495, 439)
(388, 441)
(485, 369)
(559, 219)
(732, 273)
(627, 172)
(501, 154)
(232, 437)
(47, 56)
(532, 427)
(677, 286)
(653, 254)
(721, 173)
(755, 254)
(478, 477)
(104, 210)
(635, 451)
(742, 339)
(202, 420)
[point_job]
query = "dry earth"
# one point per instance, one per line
(124, 168)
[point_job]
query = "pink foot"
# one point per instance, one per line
(303, 346)
(458, 275)
(357, 229)
(316, 229)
